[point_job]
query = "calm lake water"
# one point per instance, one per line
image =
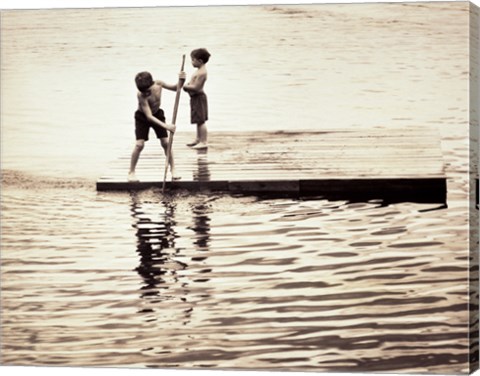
(218, 281)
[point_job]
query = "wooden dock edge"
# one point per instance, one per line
(420, 190)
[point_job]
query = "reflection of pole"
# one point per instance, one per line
(174, 120)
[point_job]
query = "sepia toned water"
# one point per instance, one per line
(218, 281)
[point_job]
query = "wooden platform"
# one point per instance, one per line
(389, 164)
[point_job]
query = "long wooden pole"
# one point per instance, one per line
(174, 120)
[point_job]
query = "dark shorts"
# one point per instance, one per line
(198, 109)
(142, 125)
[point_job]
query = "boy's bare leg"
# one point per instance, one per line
(171, 162)
(202, 137)
(194, 142)
(139, 145)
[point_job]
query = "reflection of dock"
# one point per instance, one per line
(393, 164)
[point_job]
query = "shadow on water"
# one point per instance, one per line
(163, 264)
(203, 170)
(201, 226)
(154, 236)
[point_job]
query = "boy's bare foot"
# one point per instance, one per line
(193, 143)
(200, 146)
(132, 177)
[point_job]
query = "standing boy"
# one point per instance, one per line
(198, 98)
(149, 114)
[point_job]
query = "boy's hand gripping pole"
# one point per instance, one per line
(174, 120)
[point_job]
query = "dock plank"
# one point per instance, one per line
(394, 164)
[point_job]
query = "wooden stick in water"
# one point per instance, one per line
(174, 119)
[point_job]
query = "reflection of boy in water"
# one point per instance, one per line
(198, 98)
(149, 114)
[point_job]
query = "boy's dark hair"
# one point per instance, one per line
(143, 80)
(201, 54)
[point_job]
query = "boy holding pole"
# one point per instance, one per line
(149, 114)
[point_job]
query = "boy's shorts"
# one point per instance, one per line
(198, 109)
(142, 125)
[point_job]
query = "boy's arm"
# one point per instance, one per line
(197, 85)
(148, 114)
(167, 86)
(173, 87)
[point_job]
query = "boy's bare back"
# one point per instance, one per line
(151, 97)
